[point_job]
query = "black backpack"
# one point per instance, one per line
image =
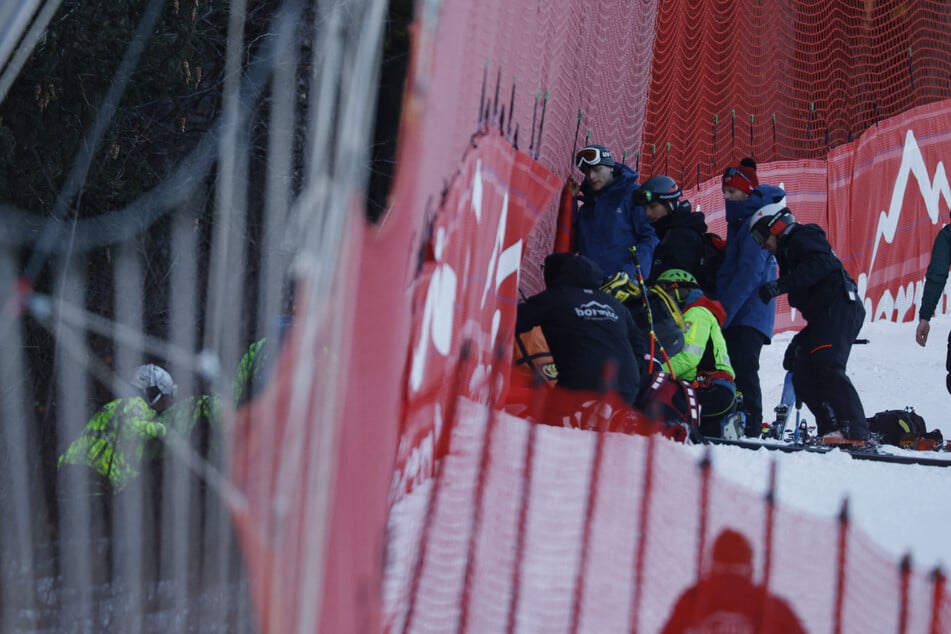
(714, 251)
(892, 425)
(665, 320)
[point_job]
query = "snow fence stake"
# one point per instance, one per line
(904, 569)
(642, 523)
(495, 387)
(840, 565)
(769, 501)
(938, 579)
(442, 444)
(524, 497)
(608, 373)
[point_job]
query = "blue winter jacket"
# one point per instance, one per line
(747, 266)
(607, 224)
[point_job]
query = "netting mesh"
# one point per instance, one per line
(553, 544)
(779, 80)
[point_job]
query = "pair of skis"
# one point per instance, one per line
(791, 434)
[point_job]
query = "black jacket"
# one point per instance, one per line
(810, 271)
(681, 242)
(586, 329)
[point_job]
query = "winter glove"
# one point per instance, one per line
(769, 290)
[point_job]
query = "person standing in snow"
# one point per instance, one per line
(606, 222)
(745, 267)
(588, 331)
(725, 599)
(679, 229)
(704, 361)
(820, 288)
(935, 279)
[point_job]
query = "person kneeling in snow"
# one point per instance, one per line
(594, 341)
(704, 361)
(819, 287)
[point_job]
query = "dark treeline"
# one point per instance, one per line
(171, 102)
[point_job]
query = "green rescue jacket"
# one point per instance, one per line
(937, 273)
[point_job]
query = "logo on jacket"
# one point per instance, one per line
(596, 312)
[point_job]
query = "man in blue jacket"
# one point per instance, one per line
(746, 267)
(606, 222)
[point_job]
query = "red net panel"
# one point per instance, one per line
(780, 80)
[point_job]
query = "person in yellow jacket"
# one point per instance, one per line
(120, 437)
(703, 361)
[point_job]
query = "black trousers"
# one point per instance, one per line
(744, 343)
(818, 355)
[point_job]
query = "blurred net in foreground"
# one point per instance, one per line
(189, 161)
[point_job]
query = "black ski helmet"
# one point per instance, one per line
(658, 189)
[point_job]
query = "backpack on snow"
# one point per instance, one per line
(895, 425)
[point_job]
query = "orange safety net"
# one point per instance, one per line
(780, 80)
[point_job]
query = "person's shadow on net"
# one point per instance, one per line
(725, 599)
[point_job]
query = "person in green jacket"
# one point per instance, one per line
(935, 280)
(703, 361)
(120, 436)
(114, 441)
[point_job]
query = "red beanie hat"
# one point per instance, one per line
(742, 177)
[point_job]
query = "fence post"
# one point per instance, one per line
(495, 388)
(592, 499)
(440, 451)
(904, 569)
(642, 524)
(841, 562)
(705, 470)
(937, 599)
(762, 618)
(524, 497)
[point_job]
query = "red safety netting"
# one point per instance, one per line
(533, 81)
(781, 80)
(535, 528)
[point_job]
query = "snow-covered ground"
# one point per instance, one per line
(904, 508)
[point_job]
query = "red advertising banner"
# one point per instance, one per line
(881, 200)
(468, 290)
(890, 194)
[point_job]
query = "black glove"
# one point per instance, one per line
(768, 291)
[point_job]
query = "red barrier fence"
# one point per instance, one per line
(535, 528)
(545, 77)
(558, 537)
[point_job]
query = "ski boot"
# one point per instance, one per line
(733, 426)
(779, 427)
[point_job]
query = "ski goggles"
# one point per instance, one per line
(643, 197)
(760, 232)
(592, 156)
(730, 172)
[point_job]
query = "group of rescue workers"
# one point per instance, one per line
(633, 241)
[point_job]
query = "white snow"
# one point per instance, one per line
(903, 508)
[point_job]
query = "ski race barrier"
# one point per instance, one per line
(475, 538)
(574, 530)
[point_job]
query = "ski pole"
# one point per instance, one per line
(650, 317)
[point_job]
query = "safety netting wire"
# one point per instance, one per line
(778, 80)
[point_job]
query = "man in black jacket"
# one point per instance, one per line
(679, 228)
(819, 287)
(592, 336)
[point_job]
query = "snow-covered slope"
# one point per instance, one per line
(904, 508)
